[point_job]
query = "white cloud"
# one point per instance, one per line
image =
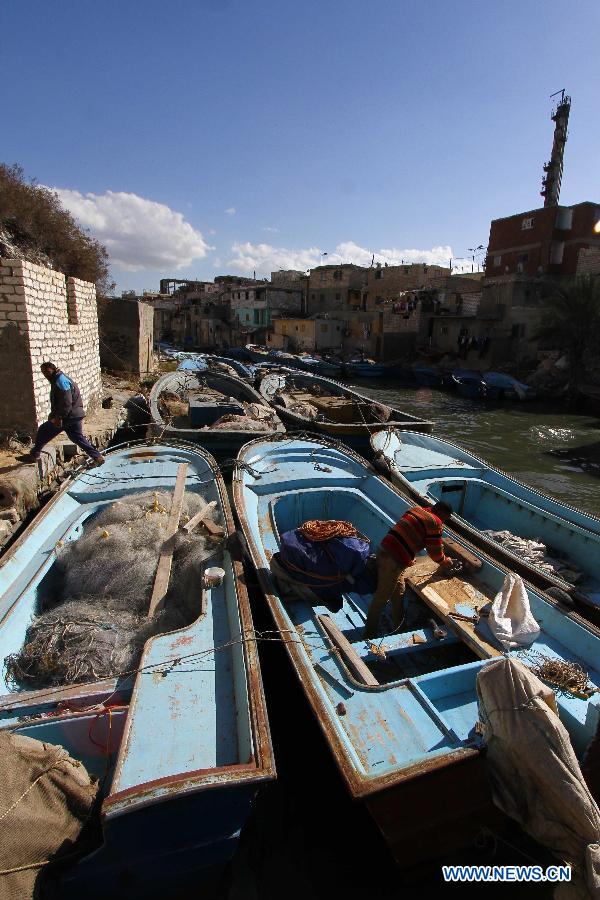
(138, 233)
(230, 210)
(264, 258)
(272, 229)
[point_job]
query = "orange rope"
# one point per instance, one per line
(324, 530)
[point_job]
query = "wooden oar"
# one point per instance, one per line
(358, 668)
(165, 560)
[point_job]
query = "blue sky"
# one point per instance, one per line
(207, 136)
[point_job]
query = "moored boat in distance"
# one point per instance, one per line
(311, 403)
(179, 742)
(548, 542)
(399, 715)
(257, 352)
(218, 411)
(363, 368)
(221, 364)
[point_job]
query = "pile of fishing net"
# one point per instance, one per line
(536, 553)
(94, 620)
(257, 418)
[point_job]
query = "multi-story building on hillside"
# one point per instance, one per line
(543, 241)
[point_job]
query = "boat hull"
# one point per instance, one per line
(174, 795)
(485, 498)
(416, 766)
(356, 435)
(220, 443)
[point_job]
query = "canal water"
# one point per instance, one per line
(551, 448)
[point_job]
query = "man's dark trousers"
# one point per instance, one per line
(72, 427)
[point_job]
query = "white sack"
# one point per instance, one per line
(510, 619)
(535, 775)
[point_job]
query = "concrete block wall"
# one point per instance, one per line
(588, 261)
(44, 316)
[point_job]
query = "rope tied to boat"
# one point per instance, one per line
(316, 530)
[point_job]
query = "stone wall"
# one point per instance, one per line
(126, 335)
(44, 317)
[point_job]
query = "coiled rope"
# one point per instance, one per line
(324, 530)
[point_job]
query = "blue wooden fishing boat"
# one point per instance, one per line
(363, 368)
(467, 383)
(311, 403)
(181, 745)
(428, 376)
(499, 386)
(220, 412)
(486, 499)
(222, 364)
(306, 363)
(258, 352)
(399, 715)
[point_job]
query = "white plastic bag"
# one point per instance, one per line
(510, 619)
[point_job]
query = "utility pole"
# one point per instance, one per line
(474, 250)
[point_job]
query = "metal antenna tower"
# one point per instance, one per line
(554, 169)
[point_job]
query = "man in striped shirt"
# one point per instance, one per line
(420, 528)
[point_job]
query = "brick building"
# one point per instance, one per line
(254, 307)
(387, 283)
(298, 333)
(335, 288)
(543, 241)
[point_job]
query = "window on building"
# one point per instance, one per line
(338, 296)
(445, 329)
(247, 317)
(296, 328)
(322, 298)
(337, 273)
(378, 273)
(324, 328)
(303, 328)
(497, 260)
(527, 223)
(247, 295)
(337, 328)
(313, 296)
(557, 250)
(517, 330)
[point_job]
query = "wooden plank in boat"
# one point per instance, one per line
(453, 548)
(85, 691)
(203, 516)
(443, 595)
(163, 570)
(358, 668)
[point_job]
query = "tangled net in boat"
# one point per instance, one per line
(324, 530)
(568, 676)
(94, 620)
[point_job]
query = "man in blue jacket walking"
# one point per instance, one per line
(66, 414)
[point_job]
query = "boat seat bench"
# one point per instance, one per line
(445, 596)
